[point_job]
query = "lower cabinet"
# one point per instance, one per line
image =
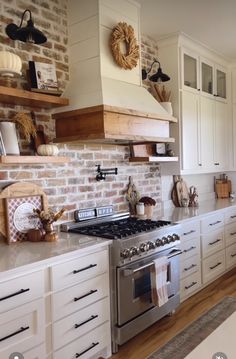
(61, 311)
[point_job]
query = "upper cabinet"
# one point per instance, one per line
(200, 100)
(202, 75)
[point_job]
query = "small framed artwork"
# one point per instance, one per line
(2, 147)
(20, 216)
(43, 78)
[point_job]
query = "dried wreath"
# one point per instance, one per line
(125, 32)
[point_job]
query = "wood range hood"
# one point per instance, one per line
(107, 103)
(110, 124)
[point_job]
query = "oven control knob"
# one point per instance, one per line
(133, 251)
(143, 247)
(175, 237)
(151, 245)
(164, 240)
(158, 243)
(125, 253)
(170, 239)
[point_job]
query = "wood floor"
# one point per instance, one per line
(162, 331)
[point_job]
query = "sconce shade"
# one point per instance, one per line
(159, 76)
(28, 33)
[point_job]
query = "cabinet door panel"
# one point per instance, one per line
(190, 145)
(207, 132)
(221, 128)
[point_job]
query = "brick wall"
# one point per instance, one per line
(72, 185)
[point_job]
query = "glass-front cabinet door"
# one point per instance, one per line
(190, 72)
(220, 83)
(206, 77)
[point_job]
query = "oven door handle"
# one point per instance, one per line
(129, 271)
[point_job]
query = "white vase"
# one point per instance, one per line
(10, 64)
(10, 141)
(168, 107)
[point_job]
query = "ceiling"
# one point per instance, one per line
(212, 22)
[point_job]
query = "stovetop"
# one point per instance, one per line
(120, 229)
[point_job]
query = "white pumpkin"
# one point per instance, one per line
(10, 64)
(47, 150)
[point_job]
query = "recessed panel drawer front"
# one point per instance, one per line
(22, 328)
(190, 284)
(190, 266)
(190, 248)
(86, 346)
(36, 353)
(77, 297)
(21, 290)
(212, 222)
(190, 230)
(81, 322)
(213, 266)
(79, 270)
(230, 234)
(212, 242)
(231, 256)
(230, 215)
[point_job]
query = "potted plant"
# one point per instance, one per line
(149, 204)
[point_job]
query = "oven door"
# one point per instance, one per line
(134, 285)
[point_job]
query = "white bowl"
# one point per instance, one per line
(10, 64)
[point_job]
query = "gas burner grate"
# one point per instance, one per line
(119, 229)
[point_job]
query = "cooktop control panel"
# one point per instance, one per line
(91, 213)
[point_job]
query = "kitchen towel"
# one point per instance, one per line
(159, 281)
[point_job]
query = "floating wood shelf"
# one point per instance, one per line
(153, 159)
(17, 160)
(16, 97)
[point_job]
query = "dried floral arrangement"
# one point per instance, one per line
(25, 125)
(160, 94)
(148, 201)
(48, 217)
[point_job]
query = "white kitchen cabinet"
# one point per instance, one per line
(199, 95)
(190, 260)
(22, 314)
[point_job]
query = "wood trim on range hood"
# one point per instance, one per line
(109, 124)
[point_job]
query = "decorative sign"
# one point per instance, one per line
(43, 77)
(20, 216)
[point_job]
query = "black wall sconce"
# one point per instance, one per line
(159, 76)
(28, 33)
(103, 172)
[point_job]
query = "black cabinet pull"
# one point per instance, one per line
(233, 233)
(218, 264)
(188, 250)
(233, 216)
(190, 285)
(214, 223)
(86, 321)
(216, 241)
(22, 329)
(190, 267)
(14, 294)
(77, 355)
(233, 255)
(85, 295)
(85, 268)
(216, 164)
(186, 233)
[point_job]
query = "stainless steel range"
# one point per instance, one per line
(135, 244)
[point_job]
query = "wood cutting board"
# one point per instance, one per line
(19, 189)
(182, 191)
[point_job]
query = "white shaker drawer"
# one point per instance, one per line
(213, 266)
(189, 266)
(36, 353)
(81, 322)
(190, 285)
(22, 329)
(231, 256)
(230, 234)
(86, 346)
(230, 215)
(210, 223)
(190, 230)
(190, 248)
(79, 269)
(21, 290)
(212, 242)
(77, 297)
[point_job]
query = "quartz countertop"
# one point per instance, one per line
(179, 214)
(34, 254)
